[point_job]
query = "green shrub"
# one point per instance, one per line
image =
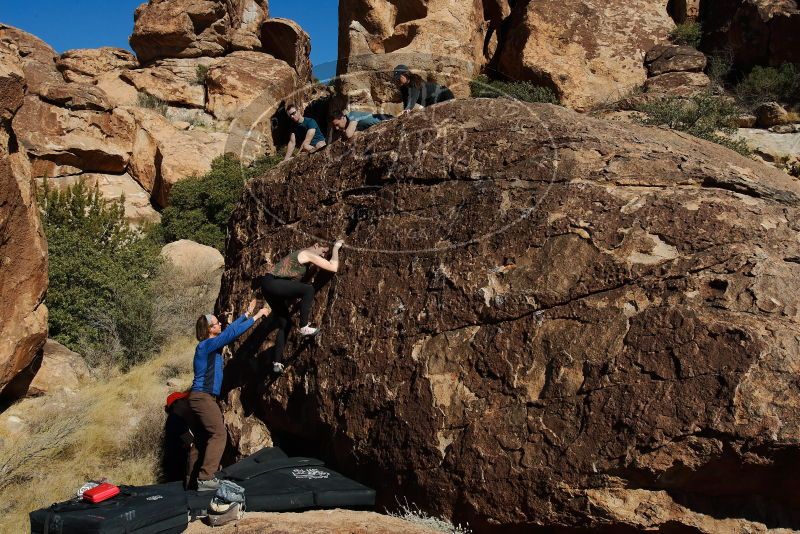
(146, 100)
(687, 33)
(767, 84)
(705, 116)
(202, 73)
(482, 86)
(199, 207)
(720, 64)
(100, 294)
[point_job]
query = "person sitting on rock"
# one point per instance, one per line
(208, 383)
(356, 121)
(306, 130)
(417, 91)
(284, 282)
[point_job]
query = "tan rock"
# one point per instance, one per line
(87, 64)
(202, 262)
(284, 39)
(315, 522)
(88, 140)
(440, 39)
(246, 432)
(771, 114)
(175, 81)
(138, 209)
(674, 58)
(12, 87)
(118, 91)
(771, 147)
(589, 51)
(23, 262)
(247, 88)
(34, 57)
(163, 155)
(678, 83)
(76, 96)
(196, 28)
(62, 370)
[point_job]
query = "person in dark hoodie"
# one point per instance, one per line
(416, 91)
(208, 383)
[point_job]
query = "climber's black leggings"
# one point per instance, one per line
(276, 291)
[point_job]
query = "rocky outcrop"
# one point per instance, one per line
(538, 313)
(678, 83)
(440, 39)
(196, 28)
(756, 32)
(87, 64)
(589, 52)
(62, 370)
(316, 522)
(174, 81)
(284, 39)
(674, 58)
(23, 261)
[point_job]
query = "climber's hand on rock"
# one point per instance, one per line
(338, 244)
(263, 312)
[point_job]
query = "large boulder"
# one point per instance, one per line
(285, 39)
(23, 262)
(163, 155)
(87, 64)
(540, 319)
(35, 58)
(590, 52)
(196, 28)
(674, 58)
(178, 82)
(756, 32)
(62, 370)
(441, 39)
(80, 139)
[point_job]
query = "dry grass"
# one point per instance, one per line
(111, 428)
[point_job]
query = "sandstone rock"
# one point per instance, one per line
(118, 91)
(87, 64)
(746, 120)
(23, 261)
(678, 83)
(237, 80)
(34, 57)
(590, 52)
(87, 140)
(785, 128)
(440, 39)
(757, 32)
(138, 209)
(163, 155)
(175, 81)
(76, 96)
(246, 432)
(196, 28)
(12, 88)
(772, 147)
(315, 522)
(570, 306)
(61, 370)
(674, 58)
(284, 39)
(190, 257)
(684, 10)
(771, 114)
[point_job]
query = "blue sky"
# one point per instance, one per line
(66, 24)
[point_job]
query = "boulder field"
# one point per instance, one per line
(542, 320)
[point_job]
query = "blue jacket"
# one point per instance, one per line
(208, 356)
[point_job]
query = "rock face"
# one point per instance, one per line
(757, 32)
(87, 64)
(590, 52)
(284, 39)
(315, 522)
(195, 28)
(539, 315)
(441, 39)
(23, 260)
(674, 58)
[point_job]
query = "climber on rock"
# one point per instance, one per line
(208, 383)
(305, 130)
(356, 121)
(284, 283)
(417, 91)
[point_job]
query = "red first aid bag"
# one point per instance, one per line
(100, 493)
